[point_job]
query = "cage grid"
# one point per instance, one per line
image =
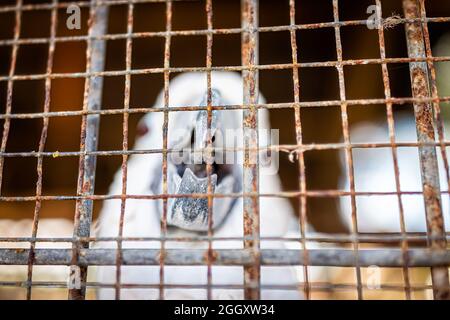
(425, 98)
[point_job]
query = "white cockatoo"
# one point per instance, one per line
(374, 172)
(374, 167)
(187, 216)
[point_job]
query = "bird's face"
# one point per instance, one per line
(187, 170)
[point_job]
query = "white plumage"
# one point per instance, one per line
(374, 168)
(142, 217)
(374, 172)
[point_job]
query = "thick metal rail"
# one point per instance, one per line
(230, 257)
(426, 133)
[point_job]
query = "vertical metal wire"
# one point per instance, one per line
(126, 103)
(9, 90)
(348, 146)
(42, 141)
(209, 43)
(434, 91)
(390, 120)
(252, 274)
(95, 62)
(164, 152)
(300, 154)
(427, 153)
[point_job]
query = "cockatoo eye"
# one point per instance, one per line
(142, 129)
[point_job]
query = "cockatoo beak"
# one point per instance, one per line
(192, 213)
(201, 126)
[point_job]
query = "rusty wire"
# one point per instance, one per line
(51, 50)
(124, 169)
(348, 150)
(250, 174)
(95, 62)
(209, 45)
(167, 44)
(390, 119)
(300, 154)
(425, 99)
(425, 132)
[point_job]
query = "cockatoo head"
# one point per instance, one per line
(187, 170)
(189, 134)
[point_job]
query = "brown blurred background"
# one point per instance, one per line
(320, 125)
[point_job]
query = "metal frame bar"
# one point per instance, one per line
(229, 257)
(425, 133)
(95, 62)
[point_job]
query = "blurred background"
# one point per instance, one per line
(319, 125)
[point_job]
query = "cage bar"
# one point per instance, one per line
(401, 249)
(425, 132)
(95, 62)
(209, 191)
(252, 276)
(232, 257)
(390, 119)
(300, 154)
(42, 141)
(167, 44)
(12, 70)
(348, 147)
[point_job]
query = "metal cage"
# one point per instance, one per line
(434, 252)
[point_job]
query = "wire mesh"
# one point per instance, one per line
(403, 249)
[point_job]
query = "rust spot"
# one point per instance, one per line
(419, 83)
(210, 256)
(161, 255)
(424, 113)
(86, 186)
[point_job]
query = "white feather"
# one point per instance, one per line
(374, 172)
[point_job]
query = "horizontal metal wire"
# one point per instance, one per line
(133, 35)
(162, 70)
(269, 106)
(81, 4)
(417, 237)
(229, 257)
(283, 194)
(314, 286)
(279, 148)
